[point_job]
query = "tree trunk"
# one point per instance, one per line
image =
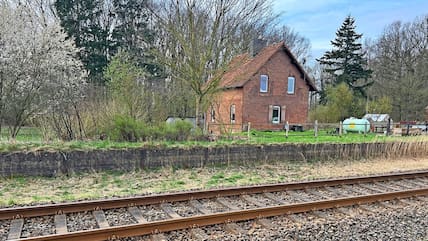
(79, 122)
(198, 102)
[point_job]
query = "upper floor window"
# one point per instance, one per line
(232, 114)
(291, 83)
(212, 115)
(264, 83)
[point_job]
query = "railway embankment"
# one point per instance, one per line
(53, 163)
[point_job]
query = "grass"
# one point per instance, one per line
(25, 190)
(30, 140)
(26, 134)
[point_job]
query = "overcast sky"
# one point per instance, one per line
(318, 20)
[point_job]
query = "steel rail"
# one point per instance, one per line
(72, 207)
(224, 217)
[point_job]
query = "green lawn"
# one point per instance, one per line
(30, 139)
(26, 134)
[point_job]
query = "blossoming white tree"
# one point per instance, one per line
(39, 68)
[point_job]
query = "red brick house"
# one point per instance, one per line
(266, 90)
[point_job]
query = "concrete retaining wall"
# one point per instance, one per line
(44, 163)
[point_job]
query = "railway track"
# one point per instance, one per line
(146, 215)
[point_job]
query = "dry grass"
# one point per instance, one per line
(25, 190)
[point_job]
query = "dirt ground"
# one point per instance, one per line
(26, 190)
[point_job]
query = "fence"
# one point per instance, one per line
(314, 129)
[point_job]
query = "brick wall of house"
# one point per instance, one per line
(256, 104)
(221, 105)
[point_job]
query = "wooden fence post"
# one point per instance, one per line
(365, 128)
(340, 128)
(286, 129)
(248, 131)
(316, 128)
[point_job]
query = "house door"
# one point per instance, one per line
(276, 114)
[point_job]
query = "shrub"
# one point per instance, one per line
(182, 130)
(177, 131)
(125, 128)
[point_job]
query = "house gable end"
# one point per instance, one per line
(244, 68)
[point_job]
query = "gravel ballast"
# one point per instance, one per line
(408, 223)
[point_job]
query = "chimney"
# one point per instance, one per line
(257, 44)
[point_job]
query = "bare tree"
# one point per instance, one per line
(198, 39)
(39, 69)
(299, 45)
(400, 67)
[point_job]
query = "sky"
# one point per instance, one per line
(318, 20)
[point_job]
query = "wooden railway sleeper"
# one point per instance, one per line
(330, 189)
(404, 185)
(405, 202)
(266, 223)
(199, 234)
(234, 228)
(60, 221)
(415, 182)
(387, 187)
(15, 228)
(374, 189)
(315, 193)
(274, 198)
(252, 200)
(158, 237)
(385, 205)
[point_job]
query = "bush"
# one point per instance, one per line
(324, 114)
(182, 130)
(125, 128)
(177, 131)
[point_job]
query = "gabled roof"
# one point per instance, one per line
(243, 67)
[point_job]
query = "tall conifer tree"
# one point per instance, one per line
(346, 63)
(81, 20)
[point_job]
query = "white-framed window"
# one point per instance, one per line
(276, 114)
(212, 115)
(290, 86)
(264, 83)
(232, 114)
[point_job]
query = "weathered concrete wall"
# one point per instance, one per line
(44, 163)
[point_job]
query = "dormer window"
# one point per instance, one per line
(264, 83)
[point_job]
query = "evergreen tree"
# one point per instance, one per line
(101, 27)
(132, 32)
(346, 62)
(82, 21)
